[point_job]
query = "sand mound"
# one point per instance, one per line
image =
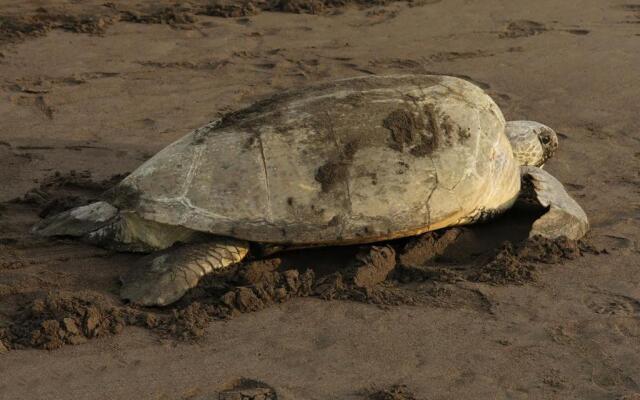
(259, 284)
(426, 247)
(19, 27)
(513, 264)
(59, 318)
(360, 280)
(507, 267)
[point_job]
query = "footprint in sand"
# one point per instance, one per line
(613, 304)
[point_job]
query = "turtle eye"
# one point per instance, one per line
(545, 138)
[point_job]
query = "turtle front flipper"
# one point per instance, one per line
(163, 278)
(564, 216)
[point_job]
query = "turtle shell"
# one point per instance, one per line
(349, 161)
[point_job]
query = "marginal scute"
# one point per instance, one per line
(354, 160)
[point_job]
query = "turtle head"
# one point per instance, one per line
(532, 142)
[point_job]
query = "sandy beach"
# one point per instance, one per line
(90, 90)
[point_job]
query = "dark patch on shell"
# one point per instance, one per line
(336, 170)
(412, 132)
(331, 173)
(421, 135)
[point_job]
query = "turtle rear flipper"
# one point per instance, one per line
(104, 225)
(164, 277)
(78, 221)
(564, 217)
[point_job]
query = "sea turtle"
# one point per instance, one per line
(356, 160)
